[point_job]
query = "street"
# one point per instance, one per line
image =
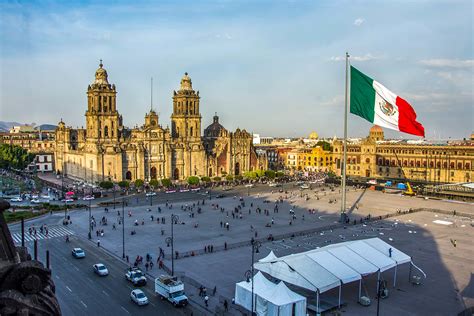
(80, 291)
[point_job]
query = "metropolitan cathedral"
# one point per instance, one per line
(107, 150)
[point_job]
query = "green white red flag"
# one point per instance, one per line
(372, 101)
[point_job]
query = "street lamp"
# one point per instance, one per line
(170, 240)
(90, 222)
(249, 273)
(114, 196)
(123, 228)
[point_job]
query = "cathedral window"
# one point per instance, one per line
(191, 131)
(106, 131)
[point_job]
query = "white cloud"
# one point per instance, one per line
(448, 63)
(366, 57)
(359, 21)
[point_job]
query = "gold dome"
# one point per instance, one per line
(376, 129)
(313, 135)
(186, 83)
(101, 75)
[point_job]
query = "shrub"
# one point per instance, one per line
(124, 184)
(229, 178)
(106, 185)
(205, 179)
(166, 182)
(217, 179)
(193, 180)
(154, 183)
(139, 183)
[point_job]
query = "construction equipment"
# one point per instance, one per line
(409, 191)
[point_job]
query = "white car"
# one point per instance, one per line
(150, 193)
(250, 185)
(67, 200)
(36, 201)
(16, 199)
(100, 269)
(304, 186)
(78, 253)
(88, 198)
(137, 296)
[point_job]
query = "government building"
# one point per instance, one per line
(107, 150)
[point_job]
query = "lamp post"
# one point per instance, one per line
(114, 196)
(170, 240)
(123, 228)
(90, 222)
(249, 273)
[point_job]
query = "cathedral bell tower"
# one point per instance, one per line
(103, 122)
(186, 119)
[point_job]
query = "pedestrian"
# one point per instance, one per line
(98, 242)
(214, 291)
(146, 266)
(126, 257)
(206, 300)
(390, 252)
(225, 245)
(151, 265)
(201, 290)
(226, 306)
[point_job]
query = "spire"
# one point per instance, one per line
(186, 83)
(100, 64)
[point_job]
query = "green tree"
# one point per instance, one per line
(16, 157)
(217, 179)
(124, 184)
(139, 183)
(154, 183)
(280, 174)
(239, 178)
(205, 179)
(166, 182)
(325, 145)
(270, 174)
(193, 180)
(229, 178)
(107, 185)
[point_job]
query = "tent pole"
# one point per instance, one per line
(378, 281)
(340, 286)
(360, 287)
(395, 276)
(317, 302)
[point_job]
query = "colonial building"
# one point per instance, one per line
(375, 157)
(107, 150)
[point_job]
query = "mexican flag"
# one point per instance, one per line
(372, 101)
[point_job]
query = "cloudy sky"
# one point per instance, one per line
(271, 67)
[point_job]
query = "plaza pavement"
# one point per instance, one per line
(224, 268)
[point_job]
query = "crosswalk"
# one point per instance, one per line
(53, 232)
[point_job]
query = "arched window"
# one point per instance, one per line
(106, 131)
(431, 164)
(459, 165)
(467, 166)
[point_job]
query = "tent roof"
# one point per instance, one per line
(325, 268)
(271, 257)
(261, 285)
(282, 295)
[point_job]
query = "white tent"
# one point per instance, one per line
(329, 267)
(269, 298)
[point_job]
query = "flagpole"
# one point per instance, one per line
(344, 168)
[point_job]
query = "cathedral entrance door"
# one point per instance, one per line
(128, 175)
(176, 174)
(237, 169)
(153, 173)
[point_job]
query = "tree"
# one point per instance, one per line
(205, 179)
(12, 156)
(270, 174)
(124, 184)
(280, 174)
(193, 180)
(107, 185)
(154, 183)
(166, 182)
(325, 145)
(239, 178)
(217, 179)
(139, 183)
(229, 178)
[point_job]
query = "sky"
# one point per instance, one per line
(275, 68)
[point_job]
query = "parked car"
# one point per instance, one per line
(100, 269)
(88, 198)
(150, 193)
(35, 201)
(78, 253)
(16, 199)
(250, 185)
(219, 196)
(138, 297)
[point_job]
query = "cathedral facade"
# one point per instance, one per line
(106, 150)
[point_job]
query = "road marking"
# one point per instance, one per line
(125, 309)
(152, 304)
(76, 268)
(84, 304)
(57, 277)
(105, 293)
(67, 287)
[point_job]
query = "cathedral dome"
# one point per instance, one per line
(101, 75)
(215, 129)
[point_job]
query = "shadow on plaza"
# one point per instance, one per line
(438, 295)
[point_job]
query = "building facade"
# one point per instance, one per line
(107, 150)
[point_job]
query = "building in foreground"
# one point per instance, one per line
(107, 150)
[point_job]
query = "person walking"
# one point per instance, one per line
(98, 242)
(226, 306)
(206, 300)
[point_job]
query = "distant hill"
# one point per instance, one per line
(46, 127)
(5, 126)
